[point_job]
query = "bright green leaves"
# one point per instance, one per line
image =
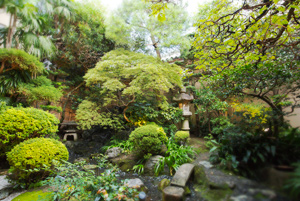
(232, 37)
(122, 78)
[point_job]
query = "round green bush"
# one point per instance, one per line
(148, 138)
(32, 160)
(19, 124)
(181, 136)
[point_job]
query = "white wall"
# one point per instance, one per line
(4, 18)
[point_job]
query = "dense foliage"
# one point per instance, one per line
(181, 136)
(40, 89)
(34, 159)
(148, 139)
(123, 78)
(231, 35)
(19, 124)
(17, 67)
(76, 182)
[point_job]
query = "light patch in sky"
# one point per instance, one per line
(192, 5)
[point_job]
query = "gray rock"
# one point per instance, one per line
(113, 152)
(173, 193)
(150, 164)
(206, 164)
(90, 167)
(5, 187)
(81, 159)
(267, 193)
(182, 175)
(240, 198)
(136, 183)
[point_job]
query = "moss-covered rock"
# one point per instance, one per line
(163, 184)
(200, 176)
(34, 195)
(125, 161)
(213, 194)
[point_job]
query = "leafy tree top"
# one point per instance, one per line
(132, 25)
(125, 76)
(250, 33)
(13, 59)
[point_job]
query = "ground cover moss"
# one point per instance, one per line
(35, 196)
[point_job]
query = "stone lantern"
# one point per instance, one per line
(184, 99)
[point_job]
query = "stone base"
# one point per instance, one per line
(173, 193)
(74, 135)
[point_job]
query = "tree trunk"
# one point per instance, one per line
(12, 30)
(155, 47)
(65, 104)
(7, 45)
(2, 67)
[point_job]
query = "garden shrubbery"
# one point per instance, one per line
(33, 159)
(181, 136)
(19, 124)
(148, 138)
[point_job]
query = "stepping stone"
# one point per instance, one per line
(5, 187)
(206, 164)
(173, 193)
(182, 175)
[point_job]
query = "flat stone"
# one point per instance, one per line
(90, 167)
(241, 198)
(5, 187)
(265, 192)
(182, 175)
(206, 164)
(173, 193)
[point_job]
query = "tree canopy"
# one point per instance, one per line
(132, 25)
(250, 33)
(122, 78)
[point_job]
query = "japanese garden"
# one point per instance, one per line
(150, 100)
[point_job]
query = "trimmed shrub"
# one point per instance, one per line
(33, 159)
(19, 124)
(148, 138)
(181, 136)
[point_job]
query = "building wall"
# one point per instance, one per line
(4, 18)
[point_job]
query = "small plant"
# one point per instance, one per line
(139, 168)
(34, 159)
(182, 136)
(293, 184)
(211, 143)
(148, 139)
(175, 156)
(126, 145)
(72, 182)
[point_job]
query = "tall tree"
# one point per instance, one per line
(252, 50)
(121, 79)
(132, 25)
(250, 33)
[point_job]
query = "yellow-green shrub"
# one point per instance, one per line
(33, 159)
(19, 124)
(181, 136)
(148, 138)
